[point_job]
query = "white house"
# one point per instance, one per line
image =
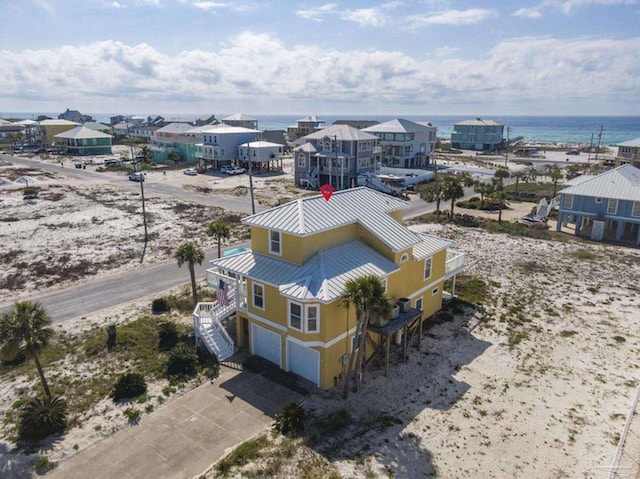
(404, 143)
(220, 143)
(242, 120)
(263, 154)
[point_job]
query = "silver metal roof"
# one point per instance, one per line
(321, 278)
(239, 117)
(361, 205)
(429, 246)
(342, 132)
(479, 122)
(621, 183)
(81, 132)
(398, 125)
(635, 143)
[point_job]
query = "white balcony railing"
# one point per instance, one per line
(455, 262)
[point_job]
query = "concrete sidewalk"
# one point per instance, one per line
(183, 438)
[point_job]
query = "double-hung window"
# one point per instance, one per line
(304, 318)
(275, 242)
(568, 202)
(427, 268)
(636, 209)
(612, 206)
(258, 295)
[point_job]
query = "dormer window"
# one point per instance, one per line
(404, 258)
(275, 239)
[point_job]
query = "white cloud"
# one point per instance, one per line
(567, 7)
(446, 51)
(251, 67)
(115, 5)
(233, 6)
(371, 17)
(319, 13)
(454, 17)
(45, 5)
(528, 13)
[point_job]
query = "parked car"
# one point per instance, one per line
(236, 170)
(190, 172)
(225, 168)
(112, 161)
(136, 176)
(574, 151)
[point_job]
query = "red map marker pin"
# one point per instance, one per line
(327, 191)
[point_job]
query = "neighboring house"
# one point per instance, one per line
(304, 126)
(12, 134)
(629, 152)
(403, 143)
(219, 143)
(478, 134)
(97, 126)
(287, 290)
(174, 139)
(206, 120)
(263, 154)
(75, 116)
(83, 141)
(122, 129)
(144, 132)
(51, 128)
(334, 155)
(242, 120)
(359, 124)
(606, 206)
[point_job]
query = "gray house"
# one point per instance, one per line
(335, 156)
(606, 206)
(478, 134)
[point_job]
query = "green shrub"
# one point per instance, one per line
(290, 419)
(128, 385)
(43, 465)
(183, 362)
(168, 336)
(42, 416)
(132, 415)
(241, 455)
(159, 305)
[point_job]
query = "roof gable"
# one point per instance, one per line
(397, 125)
(342, 132)
(81, 132)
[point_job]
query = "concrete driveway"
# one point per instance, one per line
(183, 438)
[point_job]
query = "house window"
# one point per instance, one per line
(612, 207)
(383, 281)
(274, 242)
(301, 160)
(312, 316)
(427, 268)
(258, 295)
(636, 209)
(404, 258)
(419, 303)
(568, 202)
(598, 200)
(434, 291)
(295, 316)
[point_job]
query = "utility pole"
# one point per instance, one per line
(253, 205)
(144, 214)
(506, 151)
(590, 150)
(595, 160)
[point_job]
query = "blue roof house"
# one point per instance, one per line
(606, 206)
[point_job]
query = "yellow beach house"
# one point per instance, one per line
(286, 291)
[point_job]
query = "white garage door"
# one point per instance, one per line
(303, 361)
(266, 344)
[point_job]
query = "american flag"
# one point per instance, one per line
(223, 297)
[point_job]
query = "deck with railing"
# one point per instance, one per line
(455, 263)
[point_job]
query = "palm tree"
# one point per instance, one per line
(483, 189)
(366, 294)
(220, 230)
(145, 152)
(190, 253)
(555, 174)
(25, 327)
(500, 195)
(519, 175)
(452, 190)
(501, 174)
(532, 173)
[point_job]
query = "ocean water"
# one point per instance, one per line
(555, 129)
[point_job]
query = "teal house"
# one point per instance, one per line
(83, 141)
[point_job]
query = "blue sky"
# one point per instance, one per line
(422, 57)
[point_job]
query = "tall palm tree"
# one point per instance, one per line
(190, 253)
(532, 173)
(483, 189)
(519, 175)
(145, 152)
(25, 327)
(220, 230)
(366, 294)
(452, 190)
(500, 195)
(501, 174)
(555, 174)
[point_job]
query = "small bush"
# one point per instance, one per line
(159, 305)
(183, 362)
(40, 417)
(43, 465)
(132, 415)
(168, 336)
(241, 455)
(290, 419)
(129, 385)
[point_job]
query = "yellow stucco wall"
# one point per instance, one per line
(52, 130)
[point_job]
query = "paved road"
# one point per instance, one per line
(240, 204)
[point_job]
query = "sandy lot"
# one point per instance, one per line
(539, 388)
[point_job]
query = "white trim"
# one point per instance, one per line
(306, 318)
(430, 285)
(404, 258)
(421, 303)
(424, 271)
(598, 200)
(253, 295)
(435, 290)
(568, 204)
(633, 209)
(321, 344)
(292, 340)
(260, 319)
(385, 284)
(609, 204)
